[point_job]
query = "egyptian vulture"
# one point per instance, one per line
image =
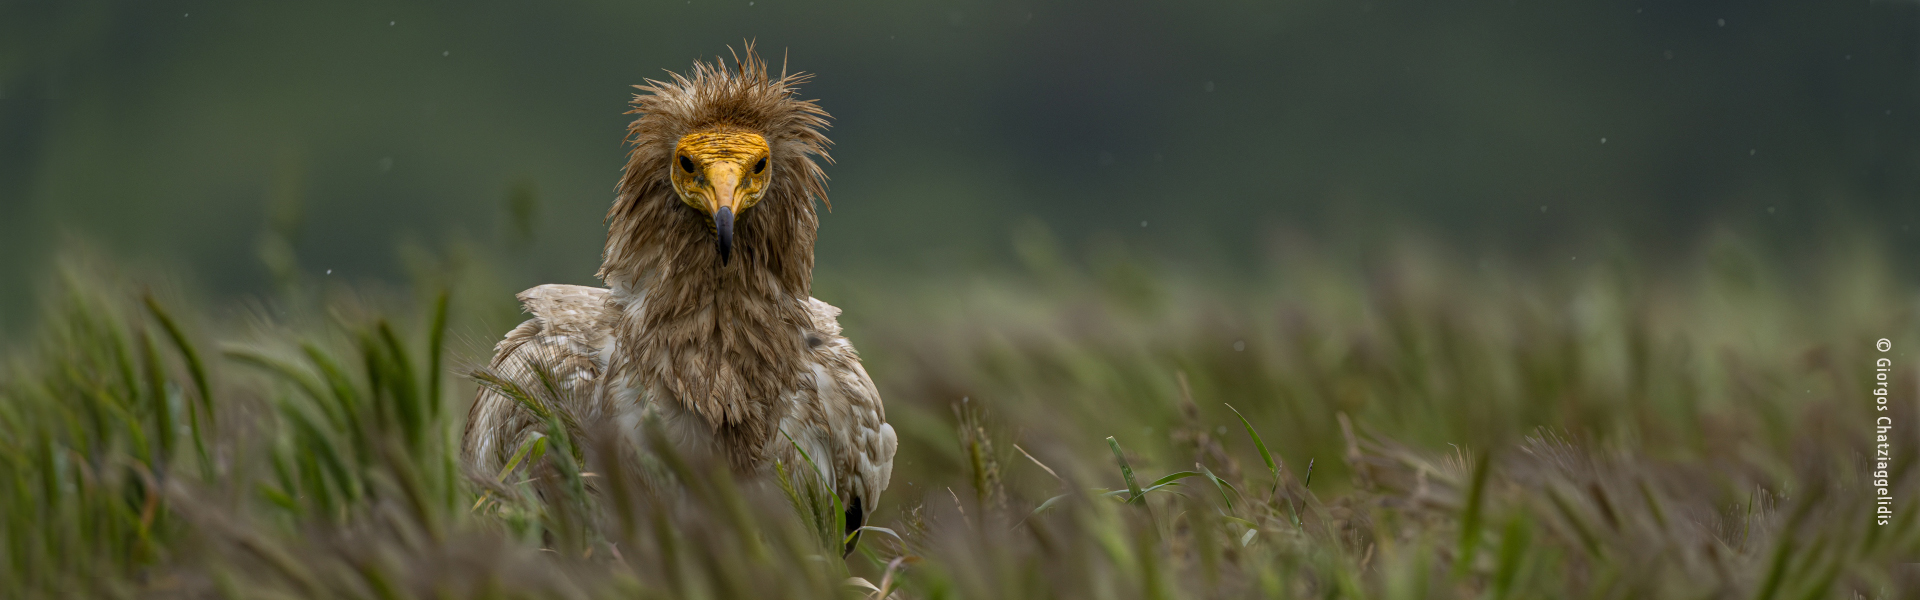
(707, 322)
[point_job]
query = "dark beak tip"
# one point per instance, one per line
(723, 224)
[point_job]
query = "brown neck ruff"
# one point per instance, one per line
(721, 341)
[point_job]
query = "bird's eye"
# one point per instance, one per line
(686, 164)
(760, 166)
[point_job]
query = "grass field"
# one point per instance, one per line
(1412, 425)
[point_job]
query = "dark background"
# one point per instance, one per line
(204, 135)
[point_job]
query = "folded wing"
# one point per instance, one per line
(555, 358)
(839, 419)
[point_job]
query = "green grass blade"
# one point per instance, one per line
(195, 368)
(512, 390)
(1514, 543)
(1242, 522)
(539, 449)
(1218, 484)
(334, 374)
(1174, 477)
(1126, 471)
(1151, 488)
(285, 370)
(164, 434)
(402, 383)
(538, 439)
(1048, 504)
(1470, 521)
(198, 373)
(1265, 455)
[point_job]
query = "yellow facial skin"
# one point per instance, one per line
(713, 170)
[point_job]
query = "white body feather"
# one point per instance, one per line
(835, 415)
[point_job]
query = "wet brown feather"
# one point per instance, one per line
(722, 339)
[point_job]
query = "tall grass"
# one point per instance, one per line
(1406, 428)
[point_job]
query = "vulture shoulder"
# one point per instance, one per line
(556, 357)
(838, 418)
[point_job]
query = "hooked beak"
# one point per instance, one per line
(728, 198)
(723, 223)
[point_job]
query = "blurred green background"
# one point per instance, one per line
(205, 135)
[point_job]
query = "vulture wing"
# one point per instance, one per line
(839, 420)
(554, 358)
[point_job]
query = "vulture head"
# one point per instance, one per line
(723, 159)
